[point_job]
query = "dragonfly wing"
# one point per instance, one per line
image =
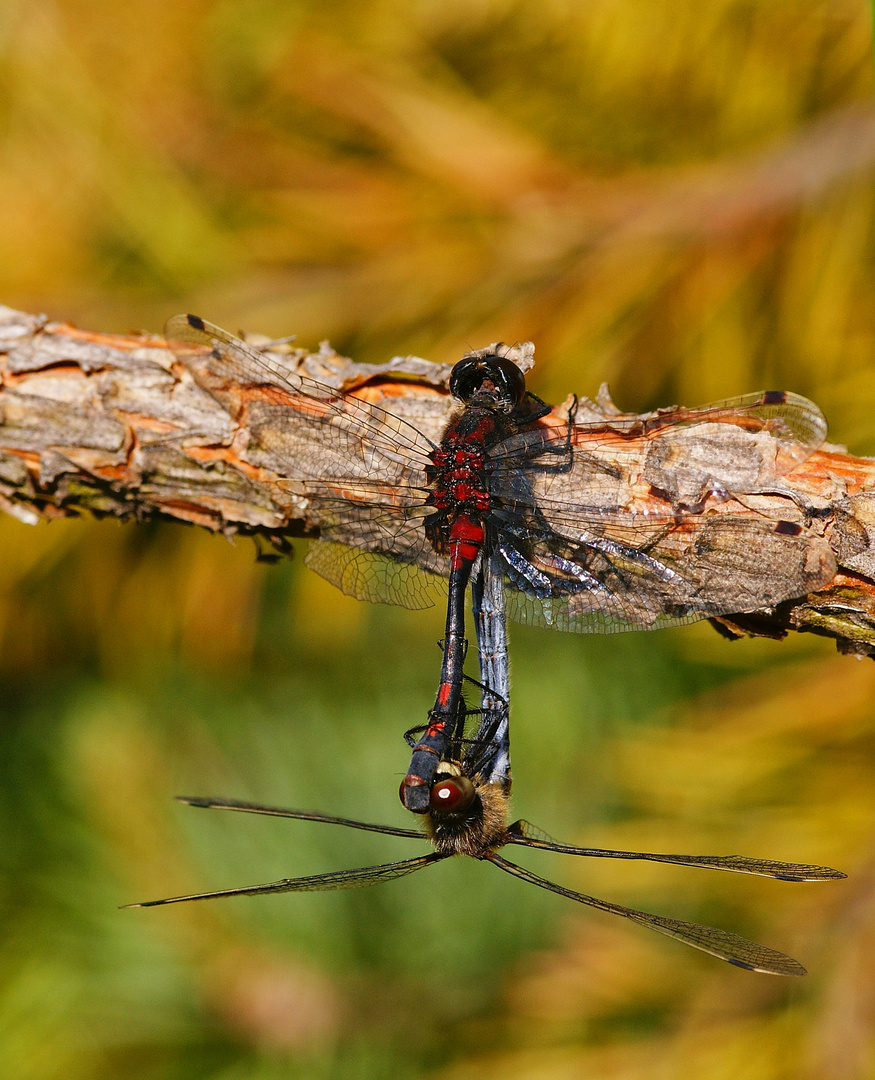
(352, 472)
(613, 525)
(527, 835)
(691, 459)
(377, 551)
(612, 578)
(302, 428)
(796, 425)
(375, 576)
(341, 879)
(744, 446)
(741, 446)
(297, 815)
(720, 943)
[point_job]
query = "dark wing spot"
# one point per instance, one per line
(788, 528)
(774, 397)
(196, 322)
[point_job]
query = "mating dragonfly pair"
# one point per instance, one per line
(585, 524)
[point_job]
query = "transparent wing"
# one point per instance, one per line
(720, 943)
(597, 571)
(358, 470)
(235, 373)
(796, 424)
(605, 527)
(341, 879)
(521, 832)
(297, 815)
(377, 576)
(793, 426)
(614, 577)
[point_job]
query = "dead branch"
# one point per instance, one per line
(112, 425)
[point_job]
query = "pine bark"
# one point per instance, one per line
(114, 426)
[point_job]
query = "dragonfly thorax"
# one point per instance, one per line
(458, 476)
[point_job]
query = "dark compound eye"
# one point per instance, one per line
(476, 373)
(452, 796)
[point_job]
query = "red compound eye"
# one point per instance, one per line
(453, 795)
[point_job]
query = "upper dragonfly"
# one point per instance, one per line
(595, 525)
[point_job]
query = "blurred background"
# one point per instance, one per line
(676, 198)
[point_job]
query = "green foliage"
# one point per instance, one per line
(675, 197)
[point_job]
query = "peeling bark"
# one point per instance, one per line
(116, 426)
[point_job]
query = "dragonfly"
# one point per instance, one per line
(594, 523)
(468, 815)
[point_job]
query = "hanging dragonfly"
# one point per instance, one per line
(468, 815)
(595, 524)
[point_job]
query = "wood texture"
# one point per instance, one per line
(114, 425)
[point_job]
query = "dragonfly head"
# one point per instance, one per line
(452, 792)
(491, 381)
(466, 816)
